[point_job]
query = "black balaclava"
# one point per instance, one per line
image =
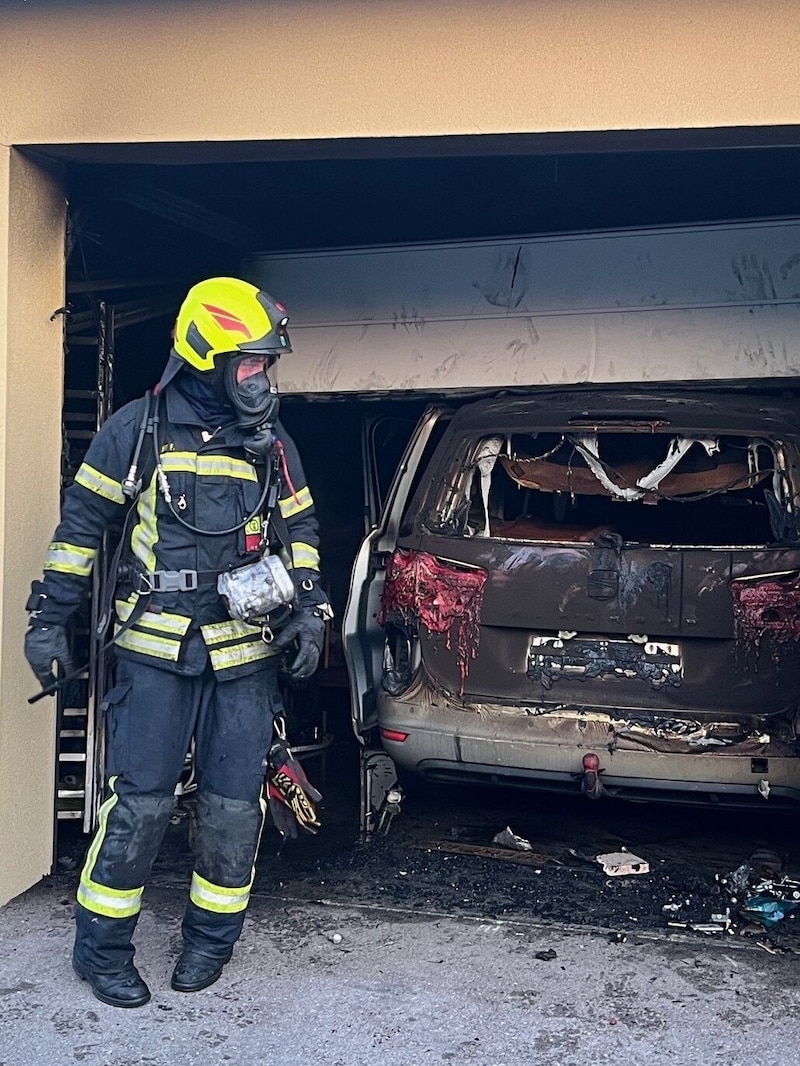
(206, 394)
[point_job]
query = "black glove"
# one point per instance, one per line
(308, 630)
(45, 645)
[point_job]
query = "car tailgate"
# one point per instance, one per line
(594, 598)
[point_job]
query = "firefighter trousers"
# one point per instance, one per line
(151, 717)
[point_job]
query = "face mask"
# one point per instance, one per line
(252, 390)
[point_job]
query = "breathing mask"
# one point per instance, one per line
(251, 388)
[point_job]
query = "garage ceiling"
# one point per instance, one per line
(128, 214)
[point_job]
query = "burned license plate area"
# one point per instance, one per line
(552, 658)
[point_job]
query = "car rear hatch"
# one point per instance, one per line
(608, 562)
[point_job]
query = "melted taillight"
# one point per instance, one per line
(768, 606)
(438, 596)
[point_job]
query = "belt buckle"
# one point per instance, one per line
(188, 580)
(168, 581)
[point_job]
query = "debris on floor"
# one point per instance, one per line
(546, 956)
(482, 851)
(768, 909)
(622, 864)
(507, 838)
(441, 858)
(762, 890)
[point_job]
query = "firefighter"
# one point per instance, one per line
(207, 488)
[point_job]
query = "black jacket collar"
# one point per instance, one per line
(180, 412)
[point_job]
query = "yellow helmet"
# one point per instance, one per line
(225, 315)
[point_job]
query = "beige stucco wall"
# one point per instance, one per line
(204, 70)
(31, 287)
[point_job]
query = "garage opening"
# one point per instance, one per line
(142, 232)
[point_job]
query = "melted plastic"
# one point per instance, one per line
(437, 596)
(767, 608)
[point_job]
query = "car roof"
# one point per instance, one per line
(665, 409)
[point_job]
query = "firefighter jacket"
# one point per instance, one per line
(214, 484)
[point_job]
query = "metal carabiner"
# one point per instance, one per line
(144, 585)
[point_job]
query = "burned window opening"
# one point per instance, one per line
(658, 489)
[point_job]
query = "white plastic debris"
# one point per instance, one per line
(509, 839)
(623, 864)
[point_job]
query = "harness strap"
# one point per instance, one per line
(151, 581)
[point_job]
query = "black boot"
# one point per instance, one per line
(194, 971)
(124, 989)
(103, 956)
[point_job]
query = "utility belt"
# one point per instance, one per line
(259, 593)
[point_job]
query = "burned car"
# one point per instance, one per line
(591, 589)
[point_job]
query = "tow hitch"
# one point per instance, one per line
(591, 785)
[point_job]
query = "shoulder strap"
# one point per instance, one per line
(132, 484)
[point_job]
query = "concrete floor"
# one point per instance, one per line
(401, 989)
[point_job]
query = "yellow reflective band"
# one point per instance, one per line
(100, 899)
(110, 902)
(99, 483)
(102, 819)
(145, 533)
(305, 555)
(285, 558)
(239, 654)
(149, 644)
(291, 506)
(69, 558)
(224, 466)
(217, 898)
(208, 465)
(174, 624)
(218, 632)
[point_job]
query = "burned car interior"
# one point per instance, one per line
(651, 488)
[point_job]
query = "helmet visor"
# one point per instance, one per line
(253, 364)
(249, 367)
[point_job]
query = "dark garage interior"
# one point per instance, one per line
(142, 230)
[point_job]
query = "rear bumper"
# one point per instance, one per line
(504, 746)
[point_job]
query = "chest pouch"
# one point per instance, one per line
(253, 592)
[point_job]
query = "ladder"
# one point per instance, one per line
(88, 401)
